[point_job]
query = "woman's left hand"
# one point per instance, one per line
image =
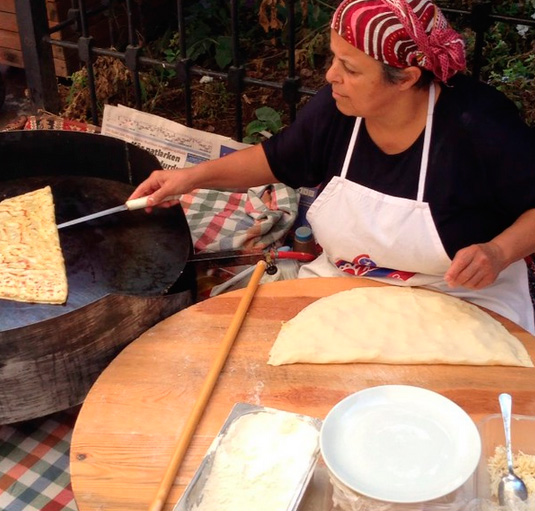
(476, 266)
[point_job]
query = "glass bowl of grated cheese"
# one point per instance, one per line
(493, 462)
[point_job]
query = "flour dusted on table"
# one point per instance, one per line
(396, 325)
(259, 463)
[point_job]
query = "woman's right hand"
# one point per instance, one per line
(161, 184)
(235, 171)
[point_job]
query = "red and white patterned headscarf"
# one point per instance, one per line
(402, 33)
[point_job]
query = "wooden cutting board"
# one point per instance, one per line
(133, 415)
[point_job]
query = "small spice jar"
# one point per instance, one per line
(304, 240)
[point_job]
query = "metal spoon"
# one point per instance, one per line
(511, 487)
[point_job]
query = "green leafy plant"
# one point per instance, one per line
(208, 31)
(268, 122)
(263, 29)
(508, 51)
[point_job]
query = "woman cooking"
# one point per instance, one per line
(427, 177)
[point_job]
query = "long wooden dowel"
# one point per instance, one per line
(206, 390)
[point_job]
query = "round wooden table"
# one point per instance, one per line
(133, 416)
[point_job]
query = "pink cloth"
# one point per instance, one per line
(402, 33)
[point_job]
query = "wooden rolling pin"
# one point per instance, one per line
(206, 390)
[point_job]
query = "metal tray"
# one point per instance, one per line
(193, 493)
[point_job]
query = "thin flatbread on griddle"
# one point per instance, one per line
(32, 268)
(396, 325)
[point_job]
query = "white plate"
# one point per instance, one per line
(400, 443)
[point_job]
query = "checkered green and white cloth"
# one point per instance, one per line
(220, 220)
(34, 464)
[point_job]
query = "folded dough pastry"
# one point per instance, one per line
(32, 268)
(396, 325)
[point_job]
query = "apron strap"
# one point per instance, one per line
(349, 152)
(425, 151)
(427, 143)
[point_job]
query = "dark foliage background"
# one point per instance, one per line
(508, 53)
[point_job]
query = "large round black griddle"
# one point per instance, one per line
(126, 272)
(63, 153)
(130, 252)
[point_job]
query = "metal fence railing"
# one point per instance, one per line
(38, 40)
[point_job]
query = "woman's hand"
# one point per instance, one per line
(476, 266)
(236, 171)
(161, 184)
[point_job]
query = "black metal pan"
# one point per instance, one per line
(122, 269)
(131, 252)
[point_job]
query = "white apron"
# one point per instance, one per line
(370, 234)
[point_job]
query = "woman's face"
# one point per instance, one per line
(358, 85)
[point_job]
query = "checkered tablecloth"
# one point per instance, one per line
(34, 464)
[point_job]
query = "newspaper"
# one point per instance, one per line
(175, 145)
(218, 219)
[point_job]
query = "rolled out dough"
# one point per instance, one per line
(396, 325)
